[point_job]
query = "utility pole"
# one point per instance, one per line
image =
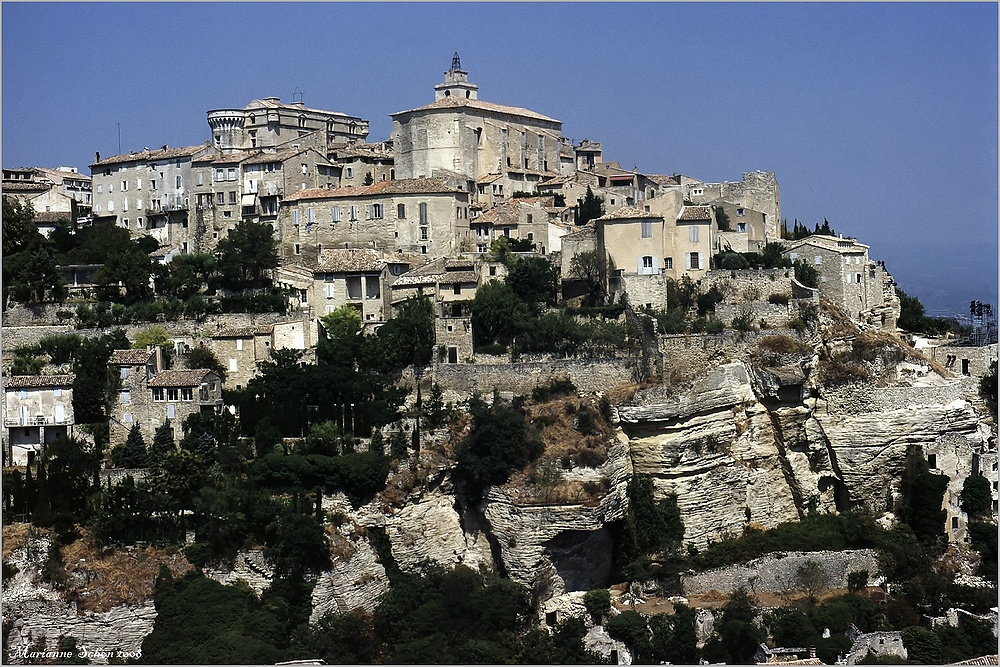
(119, 138)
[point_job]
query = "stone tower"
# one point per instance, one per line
(456, 83)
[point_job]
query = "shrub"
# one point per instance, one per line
(715, 326)
(743, 320)
(598, 603)
(777, 298)
(555, 388)
(782, 345)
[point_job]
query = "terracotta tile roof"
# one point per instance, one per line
(453, 277)
(37, 381)
(480, 105)
(407, 186)
(262, 157)
(245, 332)
(552, 182)
(151, 156)
(662, 179)
(362, 153)
(695, 213)
(130, 357)
(271, 104)
(25, 186)
(489, 178)
(459, 264)
(351, 260)
(191, 378)
(409, 280)
(629, 213)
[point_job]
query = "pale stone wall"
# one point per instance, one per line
(589, 376)
(778, 572)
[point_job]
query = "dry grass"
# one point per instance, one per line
(15, 536)
(622, 393)
(106, 578)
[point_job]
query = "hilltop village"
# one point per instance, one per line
(481, 357)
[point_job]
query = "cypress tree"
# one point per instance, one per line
(163, 442)
(40, 515)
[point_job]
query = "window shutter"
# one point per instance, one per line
(654, 264)
(701, 260)
(687, 261)
(638, 265)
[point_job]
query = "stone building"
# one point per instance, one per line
(747, 229)
(231, 187)
(637, 243)
(37, 409)
(848, 278)
(758, 191)
(499, 149)
(426, 216)
(268, 123)
(147, 192)
(364, 164)
(355, 277)
(239, 349)
(134, 369)
(533, 219)
(61, 194)
(175, 395)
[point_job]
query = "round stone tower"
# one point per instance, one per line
(227, 127)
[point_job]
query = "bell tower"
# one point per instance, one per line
(456, 83)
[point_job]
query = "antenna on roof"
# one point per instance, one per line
(456, 62)
(297, 95)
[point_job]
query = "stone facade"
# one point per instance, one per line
(758, 190)
(37, 409)
(589, 376)
(168, 395)
(268, 122)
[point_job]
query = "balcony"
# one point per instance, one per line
(37, 420)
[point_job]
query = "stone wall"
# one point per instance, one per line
(778, 572)
(589, 376)
(749, 284)
(774, 314)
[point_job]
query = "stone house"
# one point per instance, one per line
(523, 218)
(177, 394)
(231, 187)
(37, 410)
(451, 285)
(134, 369)
(427, 216)
(747, 229)
(268, 122)
(758, 191)
(848, 278)
(61, 194)
(361, 161)
(147, 192)
(500, 149)
(239, 349)
(355, 277)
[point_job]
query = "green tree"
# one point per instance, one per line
(652, 528)
(534, 280)
(71, 467)
(247, 254)
(188, 274)
(598, 604)
(811, 577)
(988, 387)
(125, 272)
(96, 385)
(18, 225)
(722, 218)
(498, 315)
(38, 277)
(203, 357)
(589, 208)
(977, 496)
(806, 274)
(133, 453)
(922, 494)
(408, 338)
(586, 266)
(163, 442)
(155, 336)
(630, 627)
(500, 442)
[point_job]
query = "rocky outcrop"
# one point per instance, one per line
(354, 582)
(738, 447)
(249, 567)
(432, 530)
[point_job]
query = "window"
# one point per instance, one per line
(493, 270)
(401, 211)
(100, 189)
(158, 393)
(232, 196)
(857, 278)
(335, 214)
(232, 365)
(124, 186)
(310, 215)
(458, 288)
(230, 174)
(349, 172)
(693, 234)
(305, 168)
(377, 211)
(172, 394)
(423, 213)
(239, 343)
(201, 178)
(647, 229)
(298, 249)
(697, 191)
(694, 260)
(126, 397)
(329, 286)
(354, 212)
(741, 227)
(819, 260)
(124, 372)
(295, 217)
(177, 182)
(740, 212)
(187, 394)
(23, 394)
(125, 204)
(57, 392)
(668, 263)
(423, 233)
(220, 198)
(111, 207)
(647, 262)
(220, 174)
(152, 184)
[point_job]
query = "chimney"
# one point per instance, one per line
(164, 147)
(97, 156)
(812, 651)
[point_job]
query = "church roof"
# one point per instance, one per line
(479, 105)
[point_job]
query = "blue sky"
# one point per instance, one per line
(879, 117)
